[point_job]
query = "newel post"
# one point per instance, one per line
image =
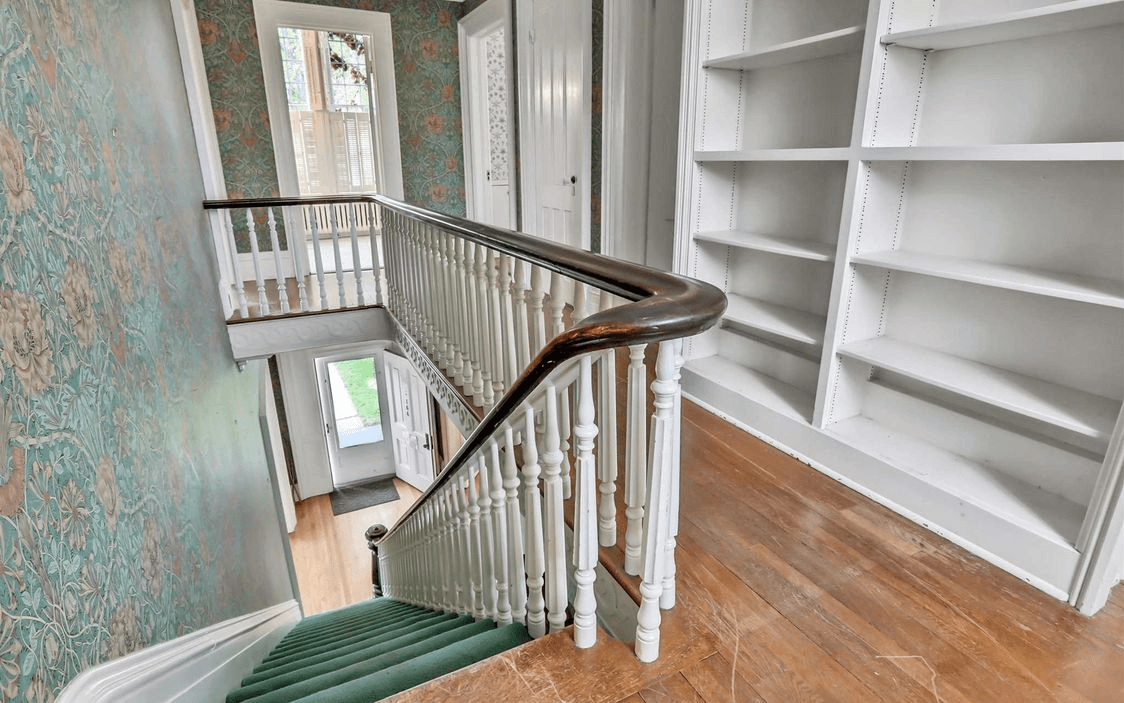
(374, 534)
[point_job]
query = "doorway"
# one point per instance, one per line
(353, 408)
(486, 109)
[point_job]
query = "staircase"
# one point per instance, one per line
(369, 651)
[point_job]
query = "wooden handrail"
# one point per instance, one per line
(662, 306)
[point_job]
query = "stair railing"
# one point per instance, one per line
(527, 328)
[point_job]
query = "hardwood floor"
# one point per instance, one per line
(792, 587)
(330, 552)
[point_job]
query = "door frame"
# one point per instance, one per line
(485, 19)
(271, 14)
(320, 363)
(528, 174)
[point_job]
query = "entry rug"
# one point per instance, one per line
(357, 496)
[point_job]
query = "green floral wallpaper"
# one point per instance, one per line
(135, 503)
(426, 78)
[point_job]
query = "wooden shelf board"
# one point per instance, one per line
(1051, 19)
(1034, 509)
(771, 392)
(820, 46)
(798, 248)
(1086, 289)
(1076, 411)
(809, 154)
(789, 323)
(1077, 151)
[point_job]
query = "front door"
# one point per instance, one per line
(411, 436)
(352, 407)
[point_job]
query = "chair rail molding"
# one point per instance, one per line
(203, 665)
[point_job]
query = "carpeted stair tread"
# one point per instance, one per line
(371, 636)
(326, 618)
(289, 689)
(353, 653)
(379, 685)
(347, 619)
(346, 629)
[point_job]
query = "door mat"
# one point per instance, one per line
(357, 496)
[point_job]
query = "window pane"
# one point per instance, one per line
(355, 397)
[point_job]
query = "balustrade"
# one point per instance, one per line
(528, 331)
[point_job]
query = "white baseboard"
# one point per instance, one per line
(201, 666)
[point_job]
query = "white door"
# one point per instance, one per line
(352, 409)
(486, 92)
(555, 144)
(410, 411)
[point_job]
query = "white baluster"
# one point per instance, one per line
(487, 331)
(500, 553)
(667, 598)
(585, 512)
(239, 290)
(536, 617)
(282, 293)
(478, 608)
(356, 265)
(474, 316)
(463, 307)
(508, 337)
(452, 321)
(336, 252)
(376, 258)
(443, 553)
(664, 475)
(540, 281)
(296, 241)
(496, 329)
(455, 303)
(559, 291)
(607, 456)
(516, 575)
(263, 300)
(564, 427)
(636, 461)
(522, 331)
(317, 257)
(487, 541)
(554, 539)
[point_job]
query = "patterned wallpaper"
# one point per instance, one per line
(135, 503)
(426, 78)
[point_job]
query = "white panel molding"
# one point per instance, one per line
(202, 666)
(627, 120)
(262, 338)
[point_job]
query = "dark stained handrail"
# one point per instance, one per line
(662, 306)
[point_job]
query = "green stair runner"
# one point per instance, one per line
(369, 651)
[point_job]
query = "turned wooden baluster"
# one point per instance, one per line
(487, 541)
(239, 289)
(333, 221)
(376, 258)
(479, 609)
(473, 316)
(559, 292)
(635, 461)
(451, 320)
(522, 330)
(664, 476)
(487, 331)
(263, 300)
(279, 271)
(607, 456)
(495, 324)
(467, 361)
(507, 338)
(460, 495)
(536, 615)
(357, 267)
(317, 257)
(444, 552)
(516, 558)
(585, 512)
(500, 552)
(667, 598)
(296, 243)
(540, 280)
(455, 303)
(554, 536)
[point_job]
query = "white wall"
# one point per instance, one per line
(667, 59)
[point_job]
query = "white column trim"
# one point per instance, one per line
(204, 665)
(1103, 532)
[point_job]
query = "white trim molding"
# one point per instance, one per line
(202, 666)
(271, 14)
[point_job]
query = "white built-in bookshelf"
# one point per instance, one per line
(915, 208)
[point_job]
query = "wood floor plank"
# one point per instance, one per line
(717, 682)
(673, 689)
